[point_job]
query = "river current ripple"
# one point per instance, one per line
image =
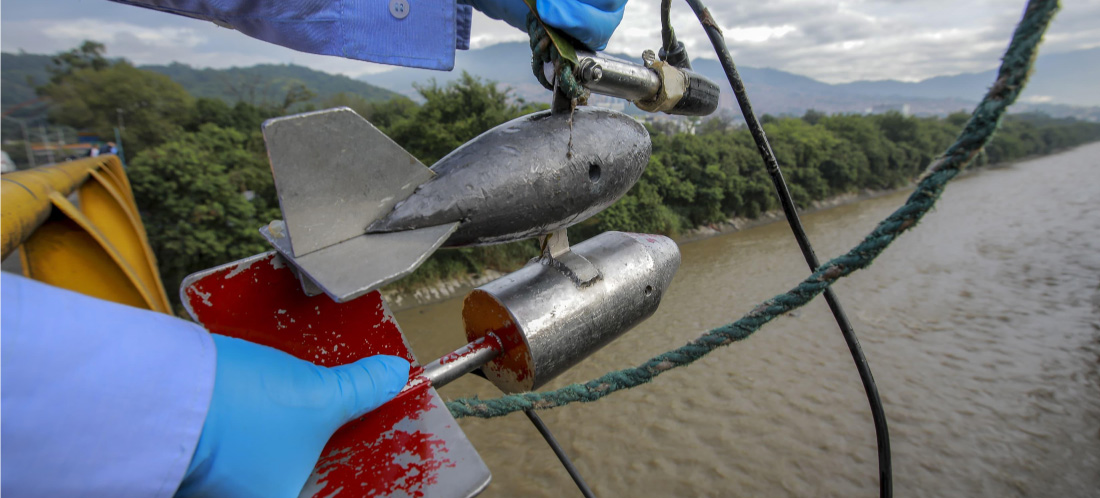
(982, 327)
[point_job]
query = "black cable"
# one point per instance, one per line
(882, 433)
(668, 36)
(672, 51)
(545, 431)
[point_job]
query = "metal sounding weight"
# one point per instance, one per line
(531, 176)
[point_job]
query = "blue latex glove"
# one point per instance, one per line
(589, 21)
(271, 415)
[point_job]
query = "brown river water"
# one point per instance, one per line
(982, 327)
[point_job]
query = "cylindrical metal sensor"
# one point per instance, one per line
(548, 322)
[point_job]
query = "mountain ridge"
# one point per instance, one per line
(267, 83)
(782, 92)
(259, 84)
(1059, 86)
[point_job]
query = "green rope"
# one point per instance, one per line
(1015, 68)
(543, 51)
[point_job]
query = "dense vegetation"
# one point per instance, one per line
(264, 83)
(716, 174)
(200, 175)
(260, 85)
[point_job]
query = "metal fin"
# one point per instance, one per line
(361, 264)
(336, 174)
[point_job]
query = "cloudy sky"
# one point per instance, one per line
(833, 41)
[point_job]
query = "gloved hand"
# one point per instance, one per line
(589, 21)
(271, 415)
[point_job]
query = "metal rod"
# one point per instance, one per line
(618, 78)
(463, 360)
(565, 461)
(882, 433)
(27, 145)
(61, 142)
(46, 142)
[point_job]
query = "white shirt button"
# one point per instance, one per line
(399, 8)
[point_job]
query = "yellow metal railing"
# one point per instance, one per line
(77, 227)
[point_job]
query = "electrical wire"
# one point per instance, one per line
(553, 442)
(565, 461)
(668, 36)
(882, 433)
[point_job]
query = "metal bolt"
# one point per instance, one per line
(649, 56)
(597, 74)
(591, 71)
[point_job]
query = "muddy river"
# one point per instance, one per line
(982, 327)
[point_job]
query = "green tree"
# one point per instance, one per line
(151, 106)
(813, 116)
(296, 93)
(89, 55)
(382, 114)
(360, 105)
(203, 196)
(452, 115)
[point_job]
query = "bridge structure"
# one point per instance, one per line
(75, 225)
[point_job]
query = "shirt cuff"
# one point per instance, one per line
(464, 22)
(425, 37)
(413, 33)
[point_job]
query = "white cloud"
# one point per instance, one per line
(72, 33)
(1037, 99)
(834, 41)
(487, 31)
(758, 34)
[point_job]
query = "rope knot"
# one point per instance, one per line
(544, 51)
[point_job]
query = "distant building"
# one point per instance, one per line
(615, 104)
(667, 124)
(885, 108)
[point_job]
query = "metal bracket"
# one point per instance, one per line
(556, 254)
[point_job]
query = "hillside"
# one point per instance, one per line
(1060, 80)
(772, 90)
(261, 84)
(265, 82)
(21, 73)
(1067, 78)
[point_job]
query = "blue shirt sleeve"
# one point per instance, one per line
(98, 398)
(413, 33)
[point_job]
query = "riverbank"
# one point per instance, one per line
(400, 299)
(737, 224)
